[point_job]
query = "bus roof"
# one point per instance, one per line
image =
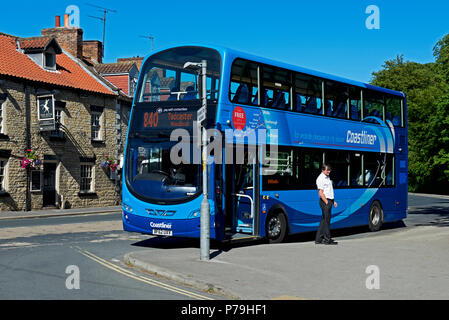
(232, 54)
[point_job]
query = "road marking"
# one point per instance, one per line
(144, 279)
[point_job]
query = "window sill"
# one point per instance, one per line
(87, 194)
(4, 194)
(97, 141)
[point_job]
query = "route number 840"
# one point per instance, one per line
(150, 119)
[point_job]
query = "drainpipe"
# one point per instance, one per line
(28, 144)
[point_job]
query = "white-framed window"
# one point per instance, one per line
(96, 118)
(36, 181)
(50, 59)
(132, 87)
(2, 116)
(3, 170)
(87, 178)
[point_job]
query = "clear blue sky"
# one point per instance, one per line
(328, 36)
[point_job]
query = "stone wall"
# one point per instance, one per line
(66, 153)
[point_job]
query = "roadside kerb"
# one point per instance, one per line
(178, 277)
(439, 196)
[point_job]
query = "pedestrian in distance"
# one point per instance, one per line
(327, 200)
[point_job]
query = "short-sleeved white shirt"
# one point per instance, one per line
(324, 183)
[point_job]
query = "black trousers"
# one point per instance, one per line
(324, 232)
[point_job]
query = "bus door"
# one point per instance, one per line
(242, 200)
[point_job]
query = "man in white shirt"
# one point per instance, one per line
(326, 193)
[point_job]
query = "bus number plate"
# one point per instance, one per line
(160, 232)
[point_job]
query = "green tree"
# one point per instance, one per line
(441, 54)
(426, 87)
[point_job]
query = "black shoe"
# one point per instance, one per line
(330, 242)
(319, 242)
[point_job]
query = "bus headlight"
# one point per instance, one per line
(126, 207)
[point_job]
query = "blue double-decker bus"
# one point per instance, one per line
(273, 125)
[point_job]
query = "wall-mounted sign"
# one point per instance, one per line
(46, 113)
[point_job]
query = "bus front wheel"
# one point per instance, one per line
(376, 216)
(276, 227)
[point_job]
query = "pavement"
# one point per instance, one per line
(396, 263)
(7, 215)
(407, 263)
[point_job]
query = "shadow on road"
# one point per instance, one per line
(218, 247)
(439, 214)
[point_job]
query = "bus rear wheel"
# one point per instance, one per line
(376, 216)
(276, 227)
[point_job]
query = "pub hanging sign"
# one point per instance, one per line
(46, 113)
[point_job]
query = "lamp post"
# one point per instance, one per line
(201, 68)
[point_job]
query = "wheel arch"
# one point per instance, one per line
(275, 209)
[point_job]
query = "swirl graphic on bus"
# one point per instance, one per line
(385, 134)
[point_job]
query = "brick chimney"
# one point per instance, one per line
(93, 49)
(69, 38)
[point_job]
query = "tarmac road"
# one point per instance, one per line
(411, 259)
(404, 260)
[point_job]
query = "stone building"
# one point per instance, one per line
(45, 78)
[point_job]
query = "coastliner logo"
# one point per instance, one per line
(360, 137)
(161, 213)
(160, 225)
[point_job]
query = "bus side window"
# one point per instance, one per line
(300, 102)
(279, 100)
(373, 105)
(393, 110)
(389, 170)
(339, 161)
(276, 82)
(336, 96)
(241, 95)
(243, 86)
(355, 103)
(355, 169)
(308, 92)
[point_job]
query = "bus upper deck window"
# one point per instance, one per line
(336, 100)
(243, 86)
(309, 94)
(373, 106)
(164, 78)
(355, 103)
(276, 83)
(394, 110)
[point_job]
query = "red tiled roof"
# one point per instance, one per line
(34, 43)
(111, 68)
(137, 60)
(68, 73)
